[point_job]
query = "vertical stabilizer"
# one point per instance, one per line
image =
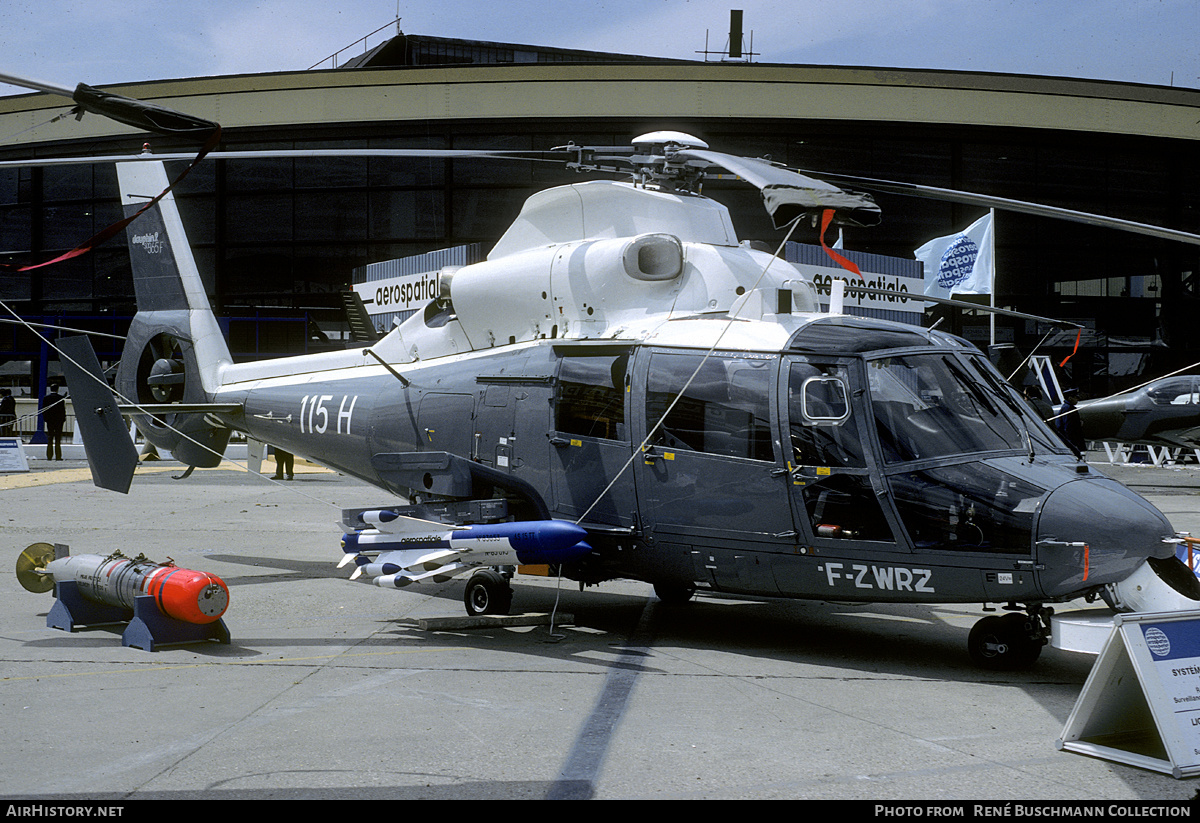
(175, 352)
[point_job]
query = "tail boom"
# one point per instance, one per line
(175, 351)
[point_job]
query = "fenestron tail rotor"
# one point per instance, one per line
(161, 371)
(31, 567)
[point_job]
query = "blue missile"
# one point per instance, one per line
(528, 542)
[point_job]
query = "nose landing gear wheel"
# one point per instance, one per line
(1004, 643)
(487, 592)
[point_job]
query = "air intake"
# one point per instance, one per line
(653, 257)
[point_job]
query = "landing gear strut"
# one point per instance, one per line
(1009, 642)
(487, 592)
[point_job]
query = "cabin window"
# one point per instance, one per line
(590, 399)
(723, 404)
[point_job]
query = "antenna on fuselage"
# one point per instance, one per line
(837, 296)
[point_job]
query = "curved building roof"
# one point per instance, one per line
(660, 91)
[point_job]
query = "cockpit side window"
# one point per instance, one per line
(822, 432)
(590, 398)
(1042, 437)
(723, 404)
(1178, 392)
(824, 400)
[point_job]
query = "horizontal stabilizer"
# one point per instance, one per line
(179, 408)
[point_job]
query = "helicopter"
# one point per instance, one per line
(624, 389)
(1160, 413)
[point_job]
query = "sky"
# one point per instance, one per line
(105, 42)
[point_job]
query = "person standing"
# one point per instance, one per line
(54, 416)
(1069, 424)
(8, 414)
(284, 464)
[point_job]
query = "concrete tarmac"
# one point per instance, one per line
(330, 689)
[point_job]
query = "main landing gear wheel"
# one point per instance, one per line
(1004, 643)
(674, 594)
(487, 592)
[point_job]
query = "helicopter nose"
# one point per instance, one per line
(1094, 531)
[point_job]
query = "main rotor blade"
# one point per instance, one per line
(788, 194)
(27, 324)
(36, 84)
(282, 153)
(127, 110)
(917, 297)
(140, 114)
(1020, 206)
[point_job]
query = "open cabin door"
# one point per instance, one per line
(837, 493)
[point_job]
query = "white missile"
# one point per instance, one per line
(398, 558)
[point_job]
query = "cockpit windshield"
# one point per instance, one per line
(935, 405)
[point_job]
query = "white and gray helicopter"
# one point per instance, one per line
(623, 389)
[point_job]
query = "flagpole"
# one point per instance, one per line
(992, 287)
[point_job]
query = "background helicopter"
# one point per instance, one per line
(1164, 412)
(621, 362)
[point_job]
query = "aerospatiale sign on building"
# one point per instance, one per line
(879, 272)
(393, 290)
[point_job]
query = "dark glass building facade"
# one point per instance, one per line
(277, 240)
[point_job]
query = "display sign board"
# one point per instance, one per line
(858, 299)
(1141, 703)
(403, 293)
(904, 275)
(12, 455)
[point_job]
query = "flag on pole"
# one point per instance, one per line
(960, 263)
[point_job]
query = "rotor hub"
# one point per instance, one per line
(656, 163)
